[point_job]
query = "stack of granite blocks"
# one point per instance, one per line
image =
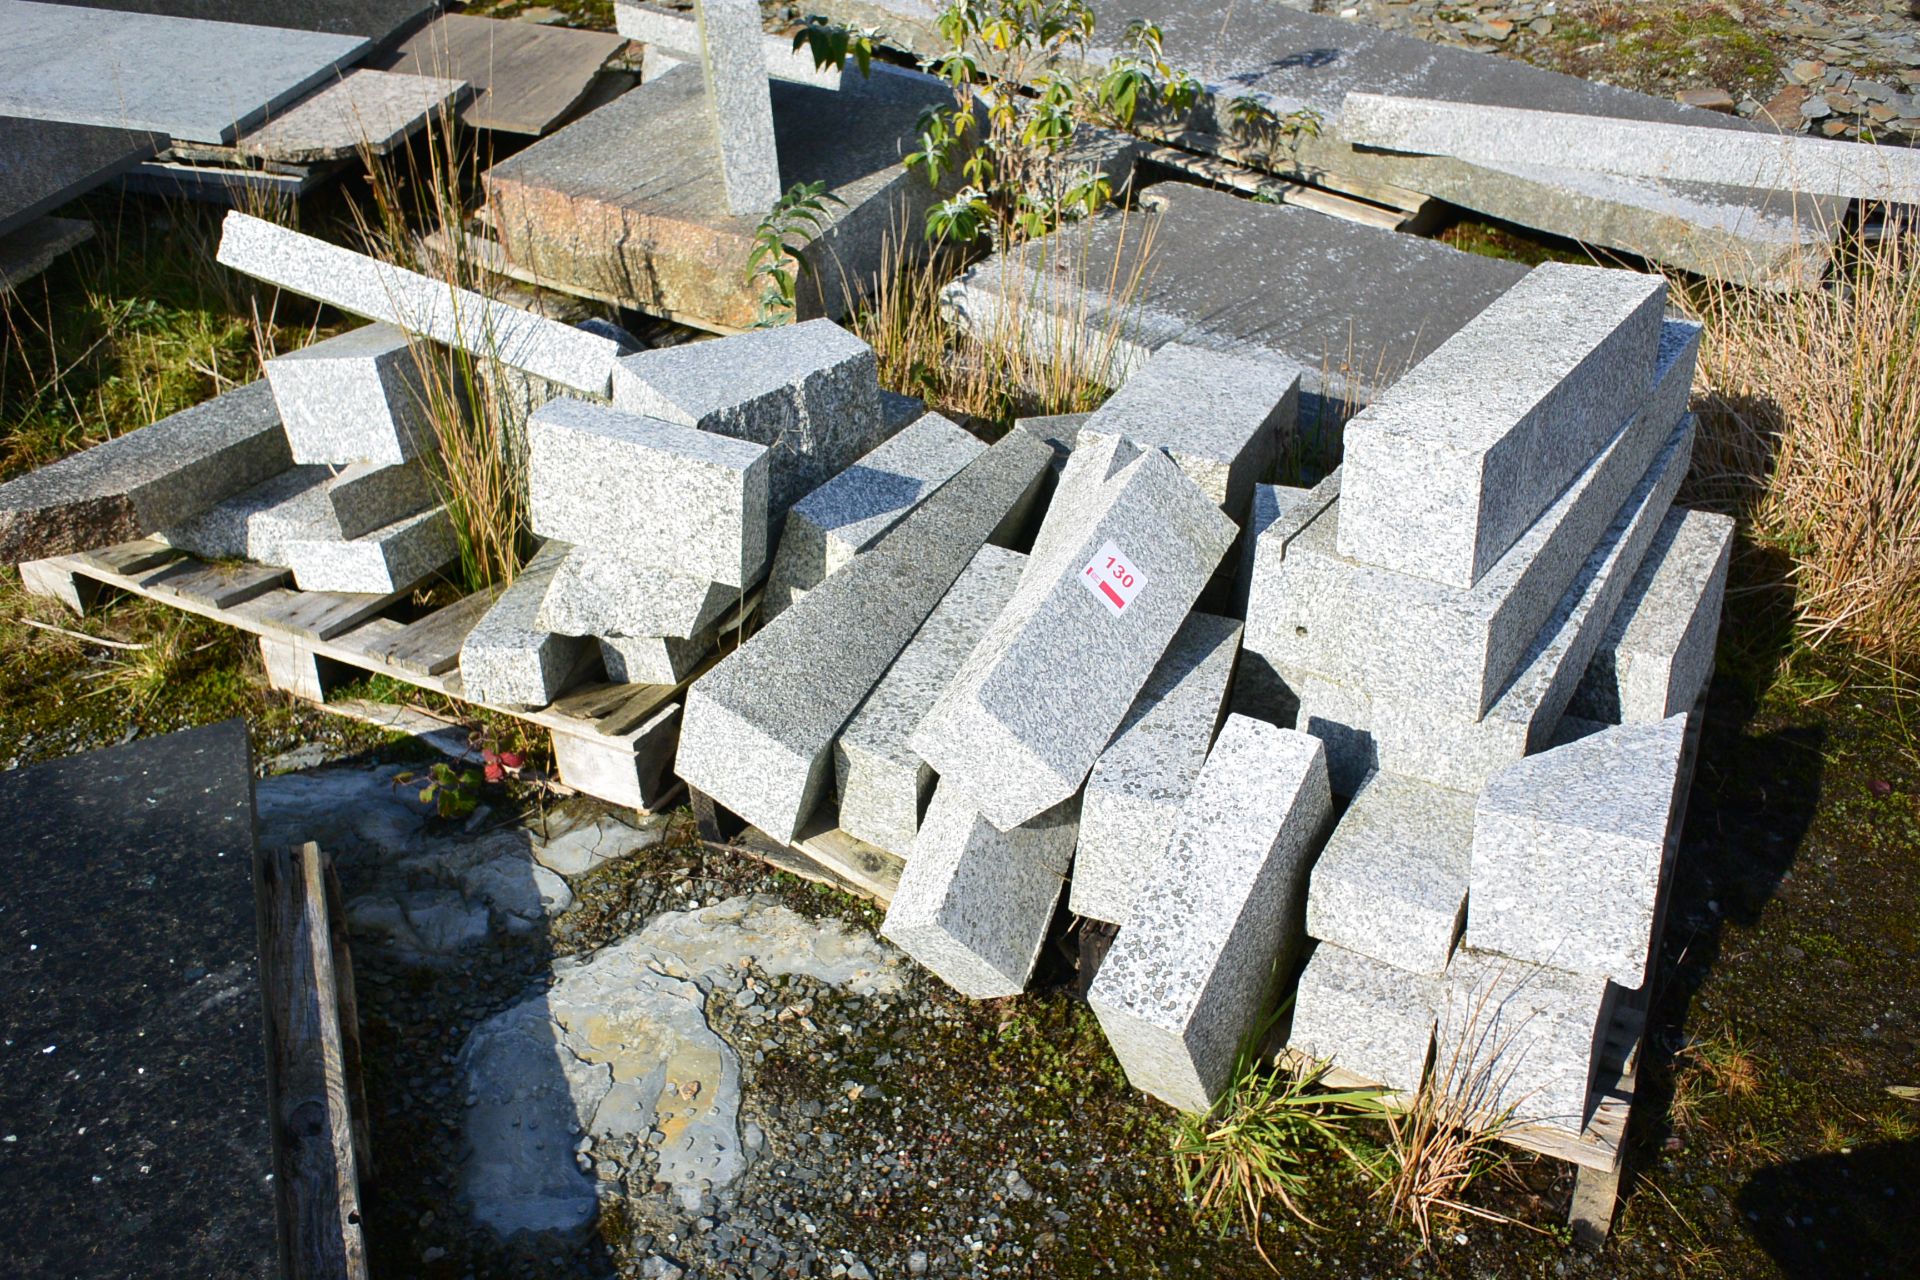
(1499, 546)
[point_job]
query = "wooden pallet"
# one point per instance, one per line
(613, 741)
(822, 852)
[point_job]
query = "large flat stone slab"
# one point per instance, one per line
(527, 78)
(27, 252)
(369, 112)
(45, 163)
(374, 19)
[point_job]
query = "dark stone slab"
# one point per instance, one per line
(133, 1091)
(374, 19)
(45, 163)
(27, 252)
(526, 78)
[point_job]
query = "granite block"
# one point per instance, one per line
(1216, 923)
(1392, 881)
(392, 558)
(1365, 1017)
(1061, 430)
(671, 34)
(146, 480)
(363, 112)
(653, 659)
(1569, 851)
(375, 19)
(1451, 465)
(368, 495)
(974, 902)
(420, 304)
(810, 392)
(45, 163)
(758, 729)
(1270, 503)
(1532, 1033)
(1042, 693)
(1657, 656)
(883, 782)
(600, 591)
(508, 659)
(684, 499)
(1078, 484)
(736, 70)
(29, 251)
(1221, 416)
(1140, 783)
(845, 516)
(258, 524)
(357, 397)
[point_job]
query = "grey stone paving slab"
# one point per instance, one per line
(1569, 851)
(1037, 700)
(845, 516)
(363, 111)
(160, 475)
(527, 77)
(1216, 924)
(1533, 1032)
(27, 252)
(390, 558)
(420, 304)
(1449, 468)
(258, 524)
(1657, 656)
(1221, 416)
(189, 79)
(1140, 783)
(1354, 307)
(375, 19)
(1392, 881)
(357, 397)
(653, 659)
(676, 35)
(810, 392)
(974, 901)
(684, 499)
(608, 591)
(45, 163)
(1365, 1017)
(883, 782)
(1689, 152)
(736, 74)
(758, 729)
(507, 659)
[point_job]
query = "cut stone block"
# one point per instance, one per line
(1365, 1017)
(974, 902)
(672, 34)
(27, 252)
(1657, 656)
(602, 592)
(1392, 881)
(1504, 135)
(1533, 1033)
(147, 480)
(653, 659)
(1447, 469)
(388, 559)
(848, 513)
(687, 500)
(420, 304)
(1271, 529)
(1140, 783)
(1569, 851)
(809, 392)
(1270, 503)
(1061, 430)
(1217, 922)
(362, 112)
(45, 163)
(883, 782)
(758, 728)
(1079, 483)
(368, 495)
(507, 659)
(258, 524)
(1040, 696)
(736, 74)
(1220, 415)
(375, 19)
(357, 397)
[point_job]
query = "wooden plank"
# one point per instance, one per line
(216, 586)
(822, 853)
(317, 615)
(132, 557)
(371, 637)
(1221, 172)
(526, 78)
(431, 646)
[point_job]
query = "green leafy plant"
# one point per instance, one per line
(453, 793)
(779, 243)
(1258, 128)
(832, 43)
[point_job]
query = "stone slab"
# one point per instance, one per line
(146, 480)
(258, 524)
(432, 308)
(130, 1007)
(1140, 783)
(1217, 922)
(758, 729)
(653, 659)
(45, 163)
(189, 79)
(1449, 468)
(526, 78)
(507, 659)
(686, 500)
(366, 496)
(974, 902)
(375, 19)
(1657, 656)
(736, 79)
(1532, 1033)
(363, 112)
(883, 782)
(673, 35)
(359, 396)
(27, 252)
(1365, 1017)
(391, 558)
(1684, 152)
(1569, 851)
(844, 516)
(1221, 416)
(809, 392)
(602, 591)
(1392, 881)
(1037, 700)
(1354, 307)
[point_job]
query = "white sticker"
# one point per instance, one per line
(1113, 578)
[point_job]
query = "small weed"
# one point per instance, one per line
(779, 243)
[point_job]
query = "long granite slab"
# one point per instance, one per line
(370, 111)
(45, 163)
(374, 19)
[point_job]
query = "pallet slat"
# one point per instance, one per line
(215, 586)
(431, 646)
(316, 615)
